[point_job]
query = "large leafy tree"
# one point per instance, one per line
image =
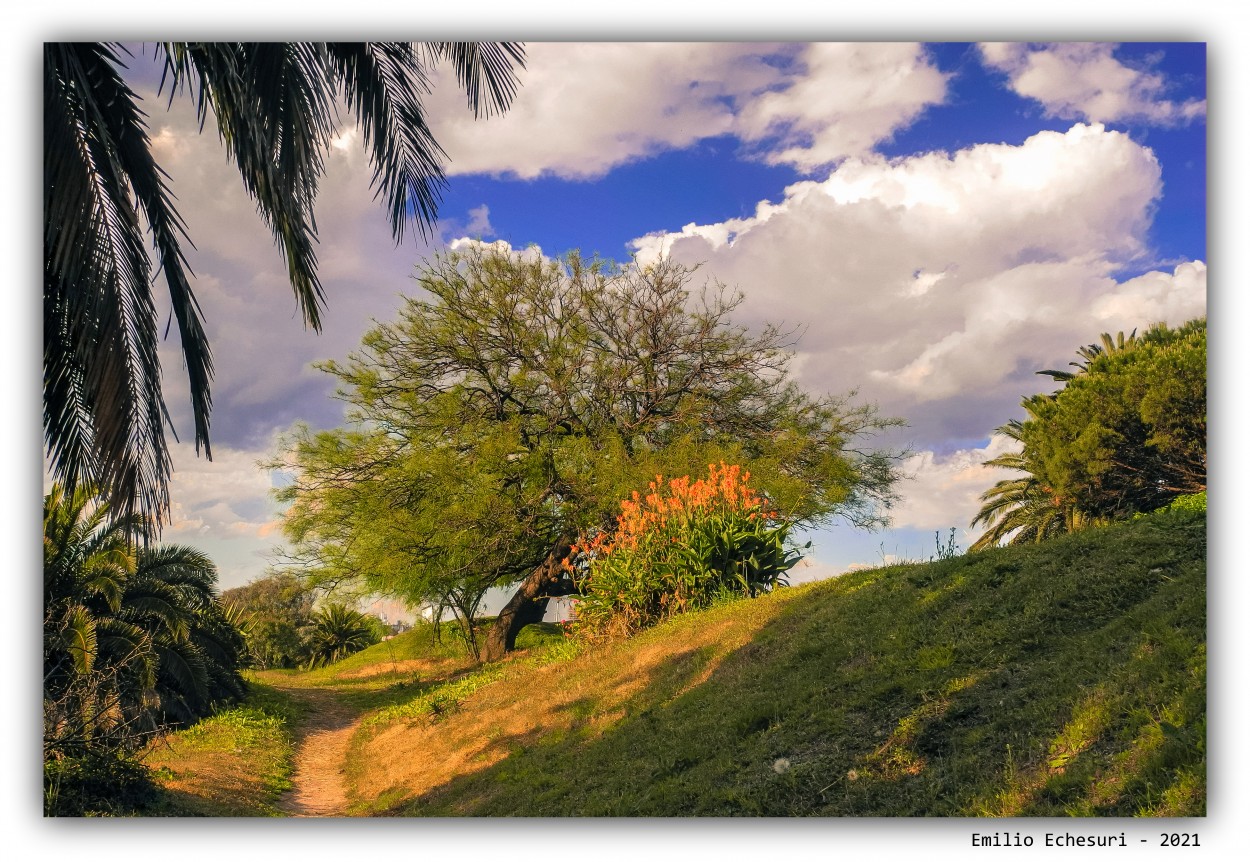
(106, 199)
(277, 616)
(517, 400)
(1125, 434)
(1129, 434)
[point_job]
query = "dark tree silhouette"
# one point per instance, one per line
(106, 198)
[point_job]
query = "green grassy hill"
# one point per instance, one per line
(1062, 679)
(1067, 678)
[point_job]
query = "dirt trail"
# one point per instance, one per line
(320, 756)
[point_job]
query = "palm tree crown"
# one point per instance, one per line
(134, 636)
(1025, 509)
(105, 198)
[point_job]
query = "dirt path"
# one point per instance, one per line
(320, 756)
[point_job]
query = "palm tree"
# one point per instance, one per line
(338, 631)
(1026, 509)
(172, 596)
(134, 638)
(1090, 352)
(87, 559)
(105, 198)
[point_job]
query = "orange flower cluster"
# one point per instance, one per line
(726, 489)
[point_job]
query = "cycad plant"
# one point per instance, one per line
(134, 639)
(173, 596)
(338, 631)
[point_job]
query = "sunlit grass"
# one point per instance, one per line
(1066, 679)
(233, 764)
(1061, 679)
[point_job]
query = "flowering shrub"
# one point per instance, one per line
(679, 548)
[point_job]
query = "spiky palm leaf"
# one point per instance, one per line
(173, 595)
(338, 631)
(1025, 509)
(273, 103)
(1090, 352)
(1020, 511)
(131, 637)
(104, 415)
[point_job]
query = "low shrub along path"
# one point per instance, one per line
(321, 755)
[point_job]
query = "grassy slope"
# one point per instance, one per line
(239, 761)
(233, 764)
(1067, 678)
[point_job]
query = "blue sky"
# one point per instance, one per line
(940, 220)
(718, 180)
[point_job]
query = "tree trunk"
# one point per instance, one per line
(529, 603)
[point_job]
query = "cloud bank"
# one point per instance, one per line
(937, 284)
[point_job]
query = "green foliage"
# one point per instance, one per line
(540, 636)
(96, 782)
(1183, 503)
(516, 400)
(279, 614)
(135, 641)
(378, 629)
(337, 632)
(1125, 435)
(680, 549)
(1129, 434)
(1188, 503)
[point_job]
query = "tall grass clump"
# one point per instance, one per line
(683, 546)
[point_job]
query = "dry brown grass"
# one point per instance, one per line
(426, 668)
(216, 785)
(407, 759)
(236, 763)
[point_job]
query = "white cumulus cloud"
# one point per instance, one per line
(584, 108)
(943, 491)
(847, 99)
(1084, 80)
(937, 284)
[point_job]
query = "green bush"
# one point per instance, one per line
(337, 632)
(1187, 503)
(680, 549)
(95, 783)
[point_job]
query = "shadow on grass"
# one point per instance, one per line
(1062, 679)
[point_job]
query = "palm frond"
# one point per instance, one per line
(79, 638)
(104, 416)
(273, 107)
(485, 71)
(104, 195)
(382, 84)
(183, 670)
